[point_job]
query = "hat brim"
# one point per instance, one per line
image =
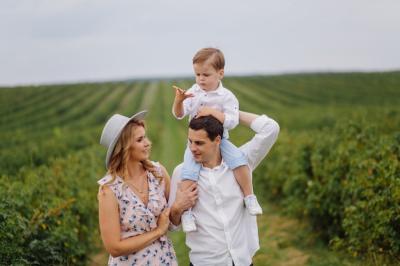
(138, 116)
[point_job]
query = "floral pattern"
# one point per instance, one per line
(136, 218)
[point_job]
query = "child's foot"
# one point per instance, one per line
(252, 205)
(188, 223)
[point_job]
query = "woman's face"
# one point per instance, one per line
(140, 145)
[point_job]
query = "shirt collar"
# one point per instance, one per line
(218, 91)
(216, 168)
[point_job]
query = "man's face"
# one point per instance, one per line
(202, 148)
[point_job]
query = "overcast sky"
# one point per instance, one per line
(71, 41)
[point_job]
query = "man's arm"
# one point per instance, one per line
(266, 130)
(246, 118)
(180, 200)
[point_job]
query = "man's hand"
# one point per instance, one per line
(205, 111)
(185, 199)
(181, 94)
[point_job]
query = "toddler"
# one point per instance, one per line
(209, 97)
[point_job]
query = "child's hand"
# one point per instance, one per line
(180, 94)
(205, 111)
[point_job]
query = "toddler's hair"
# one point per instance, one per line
(212, 55)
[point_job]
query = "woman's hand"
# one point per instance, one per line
(163, 222)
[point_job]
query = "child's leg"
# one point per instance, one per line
(243, 177)
(190, 169)
(237, 161)
(190, 174)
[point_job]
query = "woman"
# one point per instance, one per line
(133, 213)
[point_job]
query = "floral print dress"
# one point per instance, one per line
(136, 219)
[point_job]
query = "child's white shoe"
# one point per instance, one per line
(252, 205)
(188, 222)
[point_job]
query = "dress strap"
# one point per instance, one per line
(104, 180)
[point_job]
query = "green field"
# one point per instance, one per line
(335, 166)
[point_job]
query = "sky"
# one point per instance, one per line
(47, 41)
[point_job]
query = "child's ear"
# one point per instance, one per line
(221, 73)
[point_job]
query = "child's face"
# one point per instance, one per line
(207, 77)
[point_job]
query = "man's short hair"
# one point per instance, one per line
(210, 124)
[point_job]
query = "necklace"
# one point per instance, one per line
(141, 191)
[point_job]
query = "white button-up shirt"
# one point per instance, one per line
(221, 99)
(226, 233)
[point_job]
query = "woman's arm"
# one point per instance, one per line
(111, 232)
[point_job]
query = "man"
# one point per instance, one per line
(226, 234)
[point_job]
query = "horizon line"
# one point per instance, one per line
(188, 76)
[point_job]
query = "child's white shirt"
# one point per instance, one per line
(220, 99)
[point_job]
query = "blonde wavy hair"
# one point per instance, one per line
(121, 155)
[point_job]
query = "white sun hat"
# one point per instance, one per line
(112, 130)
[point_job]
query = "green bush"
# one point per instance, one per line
(345, 181)
(47, 214)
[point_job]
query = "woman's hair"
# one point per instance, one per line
(121, 154)
(212, 55)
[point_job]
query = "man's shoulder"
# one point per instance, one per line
(177, 171)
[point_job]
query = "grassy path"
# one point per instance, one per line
(286, 241)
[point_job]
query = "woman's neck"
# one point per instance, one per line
(135, 169)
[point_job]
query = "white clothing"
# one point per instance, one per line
(221, 99)
(225, 230)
